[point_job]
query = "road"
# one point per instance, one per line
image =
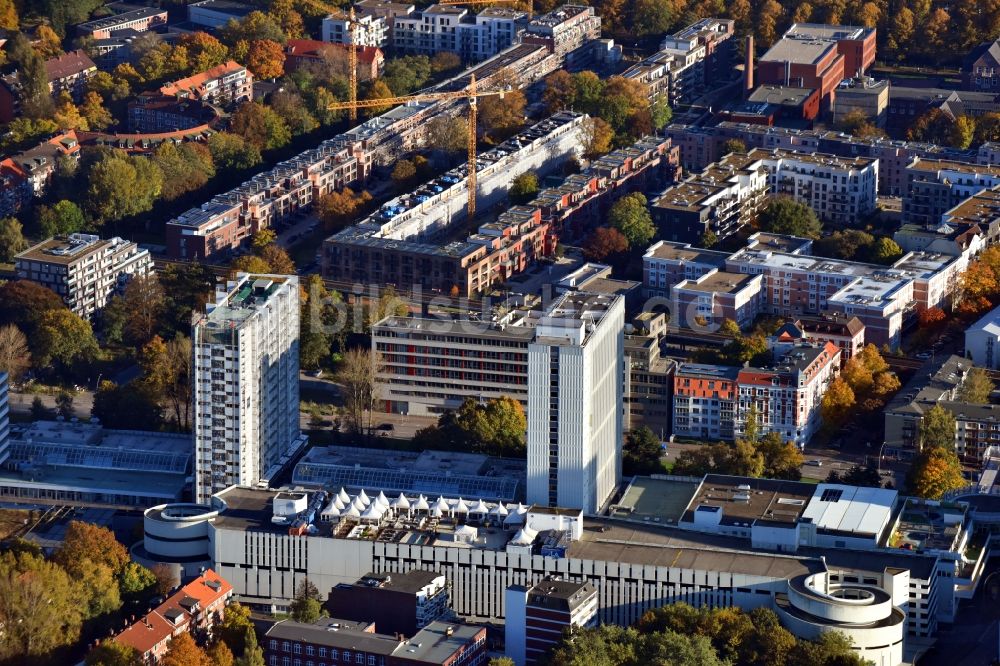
(83, 402)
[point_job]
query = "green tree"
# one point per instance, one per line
(653, 17)
(661, 113)
(64, 404)
(12, 239)
(39, 412)
(64, 217)
(976, 387)
(255, 25)
(784, 215)
(448, 133)
(782, 459)
(233, 152)
(253, 655)
(306, 606)
(406, 74)
(641, 453)
(234, 627)
(64, 338)
(40, 605)
(524, 188)
(121, 185)
(112, 653)
(885, 251)
(937, 429)
(630, 216)
(500, 661)
(135, 581)
(962, 132)
(126, 407)
(733, 146)
(185, 167)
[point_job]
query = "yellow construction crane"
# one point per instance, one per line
(352, 65)
(471, 93)
(531, 3)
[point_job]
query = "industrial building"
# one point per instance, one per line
(84, 270)
(246, 382)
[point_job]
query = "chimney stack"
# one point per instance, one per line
(748, 68)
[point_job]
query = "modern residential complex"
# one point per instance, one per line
(564, 32)
(700, 54)
(538, 617)
(473, 37)
(727, 195)
(575, 395)
(937, 186)
(85, 270)
(246, 383)
(411, 240)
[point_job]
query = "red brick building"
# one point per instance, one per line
(300, 51)
(818, 56)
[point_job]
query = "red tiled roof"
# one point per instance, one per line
(196, 81)
(146, 633)
(207, 589)
(9, 167)
(68, 64)
(314, 48)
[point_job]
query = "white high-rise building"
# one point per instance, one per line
(246, 390)
(575, 393)
(4, 418)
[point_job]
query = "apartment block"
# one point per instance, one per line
(228, 83)
(713, 402)
(977, 426)
(398, 603)
(705, 401)
(687, 61)
(141, 19)
(707, 301)
(648, 377)
(195, 609)
(83, 269)
(69, 73)
(727, 195)
(565, 31)
(818, 56)
(300, 52)
(665, 264)
(246, 383)
(366, 29)
(936, 186)
(150, 113)
(393, 245)
(444, 28)
(575, 397)
(539, 616)
(720, 200)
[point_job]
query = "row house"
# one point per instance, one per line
(195, 608)
(229, 219)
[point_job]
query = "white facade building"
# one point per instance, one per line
(83, 269)
(368, 30)
(575, 393)
(246, 383)
(441, 28)
(982, 341)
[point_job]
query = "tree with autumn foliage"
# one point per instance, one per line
(266, 59)
(838, 403)
(931, 317)
(337, 209)
(936, 469)
(183, 651)
(604, 242)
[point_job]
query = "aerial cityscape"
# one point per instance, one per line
(499, 333)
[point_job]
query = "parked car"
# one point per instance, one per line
(814, 463)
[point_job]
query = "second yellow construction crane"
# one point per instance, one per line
(470, 93)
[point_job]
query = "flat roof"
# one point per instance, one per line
(124, 17)
(928, 164)
(65, 250)
(781, 95)
(747, 500)
(781, 242)
(707, 371)
(438, 641)
(243, 297)
(330, 632)
(684, 252)
(655, 500)
(850, 509)
(718, 281)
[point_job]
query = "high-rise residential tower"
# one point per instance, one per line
(246, 383)
(575, 369)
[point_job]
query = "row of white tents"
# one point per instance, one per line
(373, 509)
